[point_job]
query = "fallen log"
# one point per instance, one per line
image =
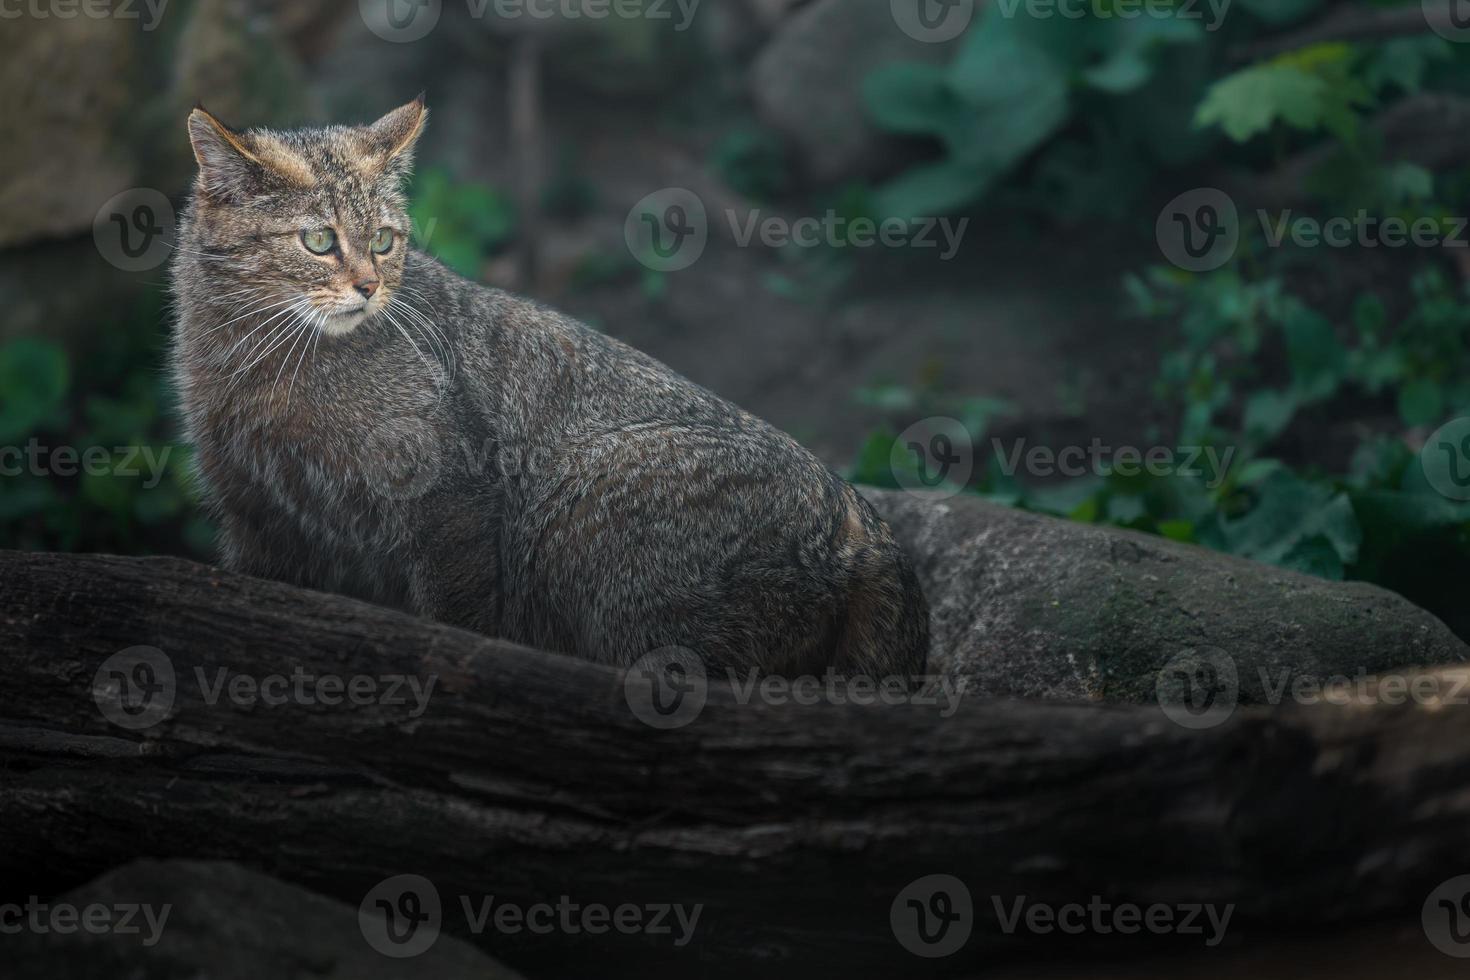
(796, 828)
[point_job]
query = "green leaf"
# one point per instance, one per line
(1403, 61)
(938, 188)
(1319, 364)
(911, 98)
(873, 465)
(1289, 511)
(1251, 100)
(1421, 403)
(34, 377)
(1177, 530)
(1268, 413)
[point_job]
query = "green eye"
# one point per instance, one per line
(319, 241)
(382, 242)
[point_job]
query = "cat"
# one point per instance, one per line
(369, 423)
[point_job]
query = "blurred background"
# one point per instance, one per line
(1102, 216)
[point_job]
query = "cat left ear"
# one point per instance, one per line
(392, 138)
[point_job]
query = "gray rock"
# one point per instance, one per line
(225, 922)
(807, 83)
(1031, 606)
(67, 101)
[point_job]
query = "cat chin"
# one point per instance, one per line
(340, 324)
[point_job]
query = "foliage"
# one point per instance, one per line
(87, 462)
(461, 224)
(1017, 81)
(753, 161)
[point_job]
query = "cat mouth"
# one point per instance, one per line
(345, 319)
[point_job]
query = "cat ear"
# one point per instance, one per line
(226, 163)
(391, 139)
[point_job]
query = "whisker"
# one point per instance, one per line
(403, 333)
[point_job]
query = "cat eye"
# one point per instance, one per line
(319, 241)
(382, 242)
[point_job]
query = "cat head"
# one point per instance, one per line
(310, 217)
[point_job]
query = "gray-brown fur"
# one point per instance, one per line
(484, 461)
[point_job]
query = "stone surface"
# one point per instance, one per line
(1031, 606)
(226, 922)
(66, 101)
(807, 83)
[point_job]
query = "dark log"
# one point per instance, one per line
(795, 827)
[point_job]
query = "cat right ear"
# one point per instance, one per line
(226, 163)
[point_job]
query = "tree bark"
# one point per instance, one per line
(528, 777)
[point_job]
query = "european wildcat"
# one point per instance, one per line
(369, 423)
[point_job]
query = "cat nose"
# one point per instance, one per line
(366, 286)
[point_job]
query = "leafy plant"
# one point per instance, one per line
(461, 224)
